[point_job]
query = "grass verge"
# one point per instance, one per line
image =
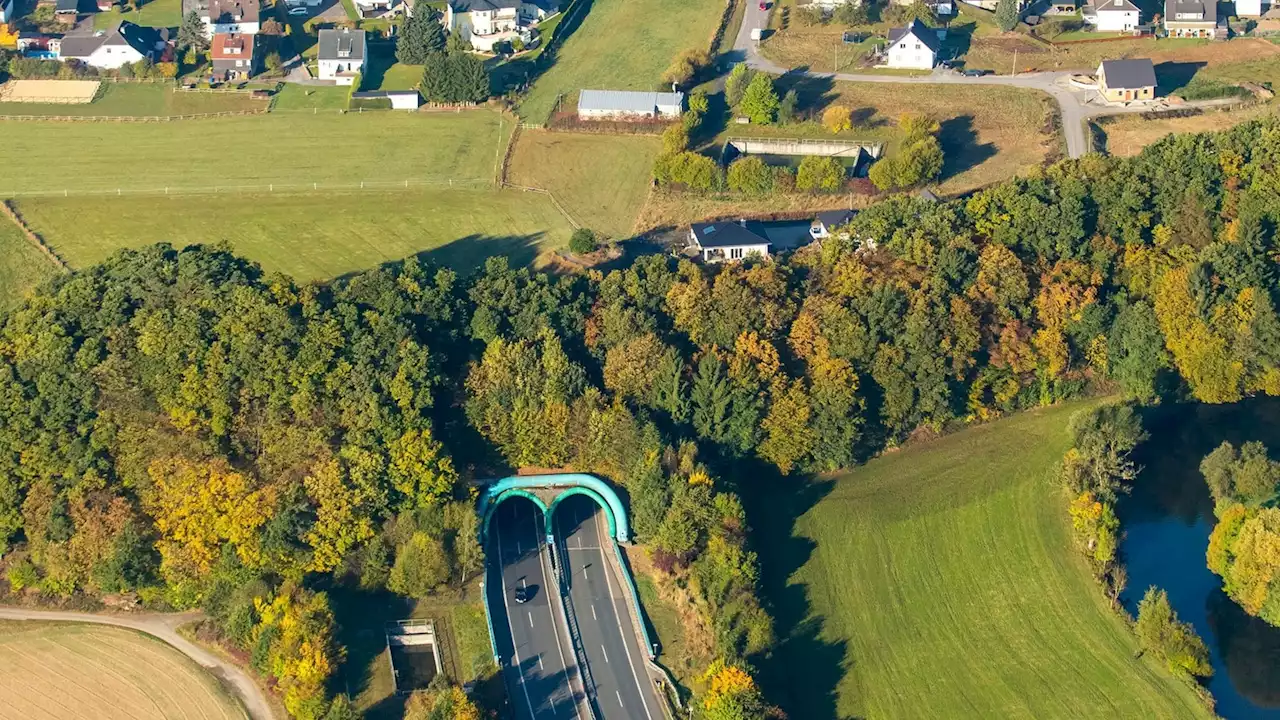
(310, 236)
(118, 99)
(941, 581)
(22, 267)
(622, 45)
(600, 179)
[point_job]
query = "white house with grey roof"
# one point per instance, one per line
(342, 54)
(108, 50)
(1112, 15)
(913, 47)
(487, 22)
(728, 241)
(629, 105)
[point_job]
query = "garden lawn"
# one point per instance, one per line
(942, 581)
(156, 13)
(621, 45)
(293, 149)
(311, 98)
(602, 180)
(311, 236)
(22, 267)
(141, 100)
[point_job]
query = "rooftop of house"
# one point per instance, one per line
(1131, 74)
(231, 46)
(229, 11)
(1124, 6)
(341, 44)
(67, 6)
(926, 36)
(1206, 11)
(834, 218)
(466, 6)
(143, 39)
(728, 234)
(627, 100)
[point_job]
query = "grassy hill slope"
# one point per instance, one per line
(941, 581)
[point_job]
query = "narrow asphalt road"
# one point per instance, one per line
(164, 626)
(1075, 105)
(622, 690)
(541, 670)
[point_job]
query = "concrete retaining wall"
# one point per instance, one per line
(788, 146)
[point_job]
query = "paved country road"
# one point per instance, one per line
(1075, 105)
(164, 626)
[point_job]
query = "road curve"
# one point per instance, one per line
(164, 627)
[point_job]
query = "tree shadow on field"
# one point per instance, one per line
(469, 253)
(362, 616)
(803, 670)
(960, 150)
(1172, 76)
(812, 93)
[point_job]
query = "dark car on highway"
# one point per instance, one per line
(522, 594)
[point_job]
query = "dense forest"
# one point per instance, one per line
(180, 424)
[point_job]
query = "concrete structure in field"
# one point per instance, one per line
(406, 639)
(804, 146)
(1127, 80)
(629, 105)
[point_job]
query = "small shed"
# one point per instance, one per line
(1127, 80)
(629, 105)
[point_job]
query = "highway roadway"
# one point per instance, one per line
(538, 661)
(617, 680)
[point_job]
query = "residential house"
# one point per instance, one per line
(487, 22)
(1191, 18)
(39, 45)
(399, 99)
(108, 50)
(105, 5)
(375, 8)
(67, 11)
(827, 221)
(233, 56)
(1127, 80)
(721, 241)
(241, 17)
(342, 55)
(1251, 8)
(1113, 15)
(628, 105)
(914, 46)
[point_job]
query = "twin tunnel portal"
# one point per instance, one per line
(564, 616)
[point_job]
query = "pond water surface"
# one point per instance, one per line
(1167, 521)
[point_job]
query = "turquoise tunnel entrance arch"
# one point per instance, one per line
(560, 487)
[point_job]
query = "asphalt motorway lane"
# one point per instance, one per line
(614, 658)
(535, 657)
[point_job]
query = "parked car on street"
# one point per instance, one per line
(974, 72)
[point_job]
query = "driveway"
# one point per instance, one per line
(164, 626)
(1075, 105)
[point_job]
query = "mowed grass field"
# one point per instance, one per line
(621, 45)
(602, 180)
(140, 100)
(82, 672)
(291, 149)
(1127, 134)
(311, 236)
(941, 582)
(22, 267)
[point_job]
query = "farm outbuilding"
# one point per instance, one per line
(629, 105)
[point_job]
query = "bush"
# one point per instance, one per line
(851, 13)
(1007, 14)
(675, 139)
(837, 118)
(686, 67)
(787, 107)
(1163, 635)
(694, 171)
(784, 179)
(736, 84)
(918, 160)
(750, 175)
(22, 575)
(760, 101)
(582, 241)
(820, 173)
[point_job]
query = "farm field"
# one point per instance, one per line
(988, 133)
(940, 581)
(621, 45)
(74, 671)
(118, 99)
(297, 149)
(310, 236)
(602, 180)
(311, 98)
(1127, 135)
(22, 267)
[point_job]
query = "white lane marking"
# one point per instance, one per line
(515, 654)
(542, 576)
(593, 614)
(606, 653)
(623, 632)
(540, 667)
(620, 703)
(530, 618)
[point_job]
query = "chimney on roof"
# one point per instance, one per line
(742, 222)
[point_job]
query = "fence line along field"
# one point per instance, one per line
(71, 92)
(83, 672)
(253, 150)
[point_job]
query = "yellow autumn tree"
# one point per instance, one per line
(420, 470)
(1202, 354)
(343, 519)
(200, 506)
(788, 437)
(731, 694)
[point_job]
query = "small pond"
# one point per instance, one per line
(1167, 520)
